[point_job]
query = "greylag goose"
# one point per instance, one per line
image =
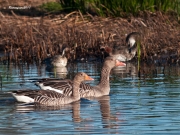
(57, 60)
(65, 87)
(125, 53)
(51, 98)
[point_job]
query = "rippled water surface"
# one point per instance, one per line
(146, 105)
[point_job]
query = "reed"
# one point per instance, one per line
(139, 56)
(30, 40)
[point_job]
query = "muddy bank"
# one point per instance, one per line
(31, 39)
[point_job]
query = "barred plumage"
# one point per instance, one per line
(49, 97)
(103, 88)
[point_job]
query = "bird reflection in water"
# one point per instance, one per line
(125, 71)
(57, 72)
(109, 121)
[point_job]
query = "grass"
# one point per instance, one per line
(51, 6)
(113, 7)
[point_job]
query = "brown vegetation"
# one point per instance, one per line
(34, 3)
(27, 39)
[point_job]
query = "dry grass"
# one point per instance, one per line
(34, 3)
(30, 40)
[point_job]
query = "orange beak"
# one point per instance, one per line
(88, 78)
(118, 63)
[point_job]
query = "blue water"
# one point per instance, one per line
(146, 105)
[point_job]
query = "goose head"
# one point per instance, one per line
(112, 62)
(132, 38)
(81, 76)
(66, 49)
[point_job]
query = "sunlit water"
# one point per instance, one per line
(146, 105)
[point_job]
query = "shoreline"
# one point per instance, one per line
(24, 36)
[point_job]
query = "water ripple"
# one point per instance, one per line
(146, 105)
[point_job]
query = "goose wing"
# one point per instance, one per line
(85, 88)
(56, 85)
(29, 93)
(63, 86)
(51, 98)
(49, 94)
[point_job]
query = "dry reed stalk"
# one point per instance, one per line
(37, 38)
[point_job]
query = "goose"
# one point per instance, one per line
(51, 98)
(86, 90)
(125, 53)
(57, 60)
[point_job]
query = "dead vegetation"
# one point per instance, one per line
(33, 3)
(32, 39)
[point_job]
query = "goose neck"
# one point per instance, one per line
(104, 80)
(75, 92)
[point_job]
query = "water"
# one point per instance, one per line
(146, 105)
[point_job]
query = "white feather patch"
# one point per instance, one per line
(49, 88)
(132, 41)
(22, 98)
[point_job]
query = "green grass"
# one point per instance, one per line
(113, 7)
(51, 6)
